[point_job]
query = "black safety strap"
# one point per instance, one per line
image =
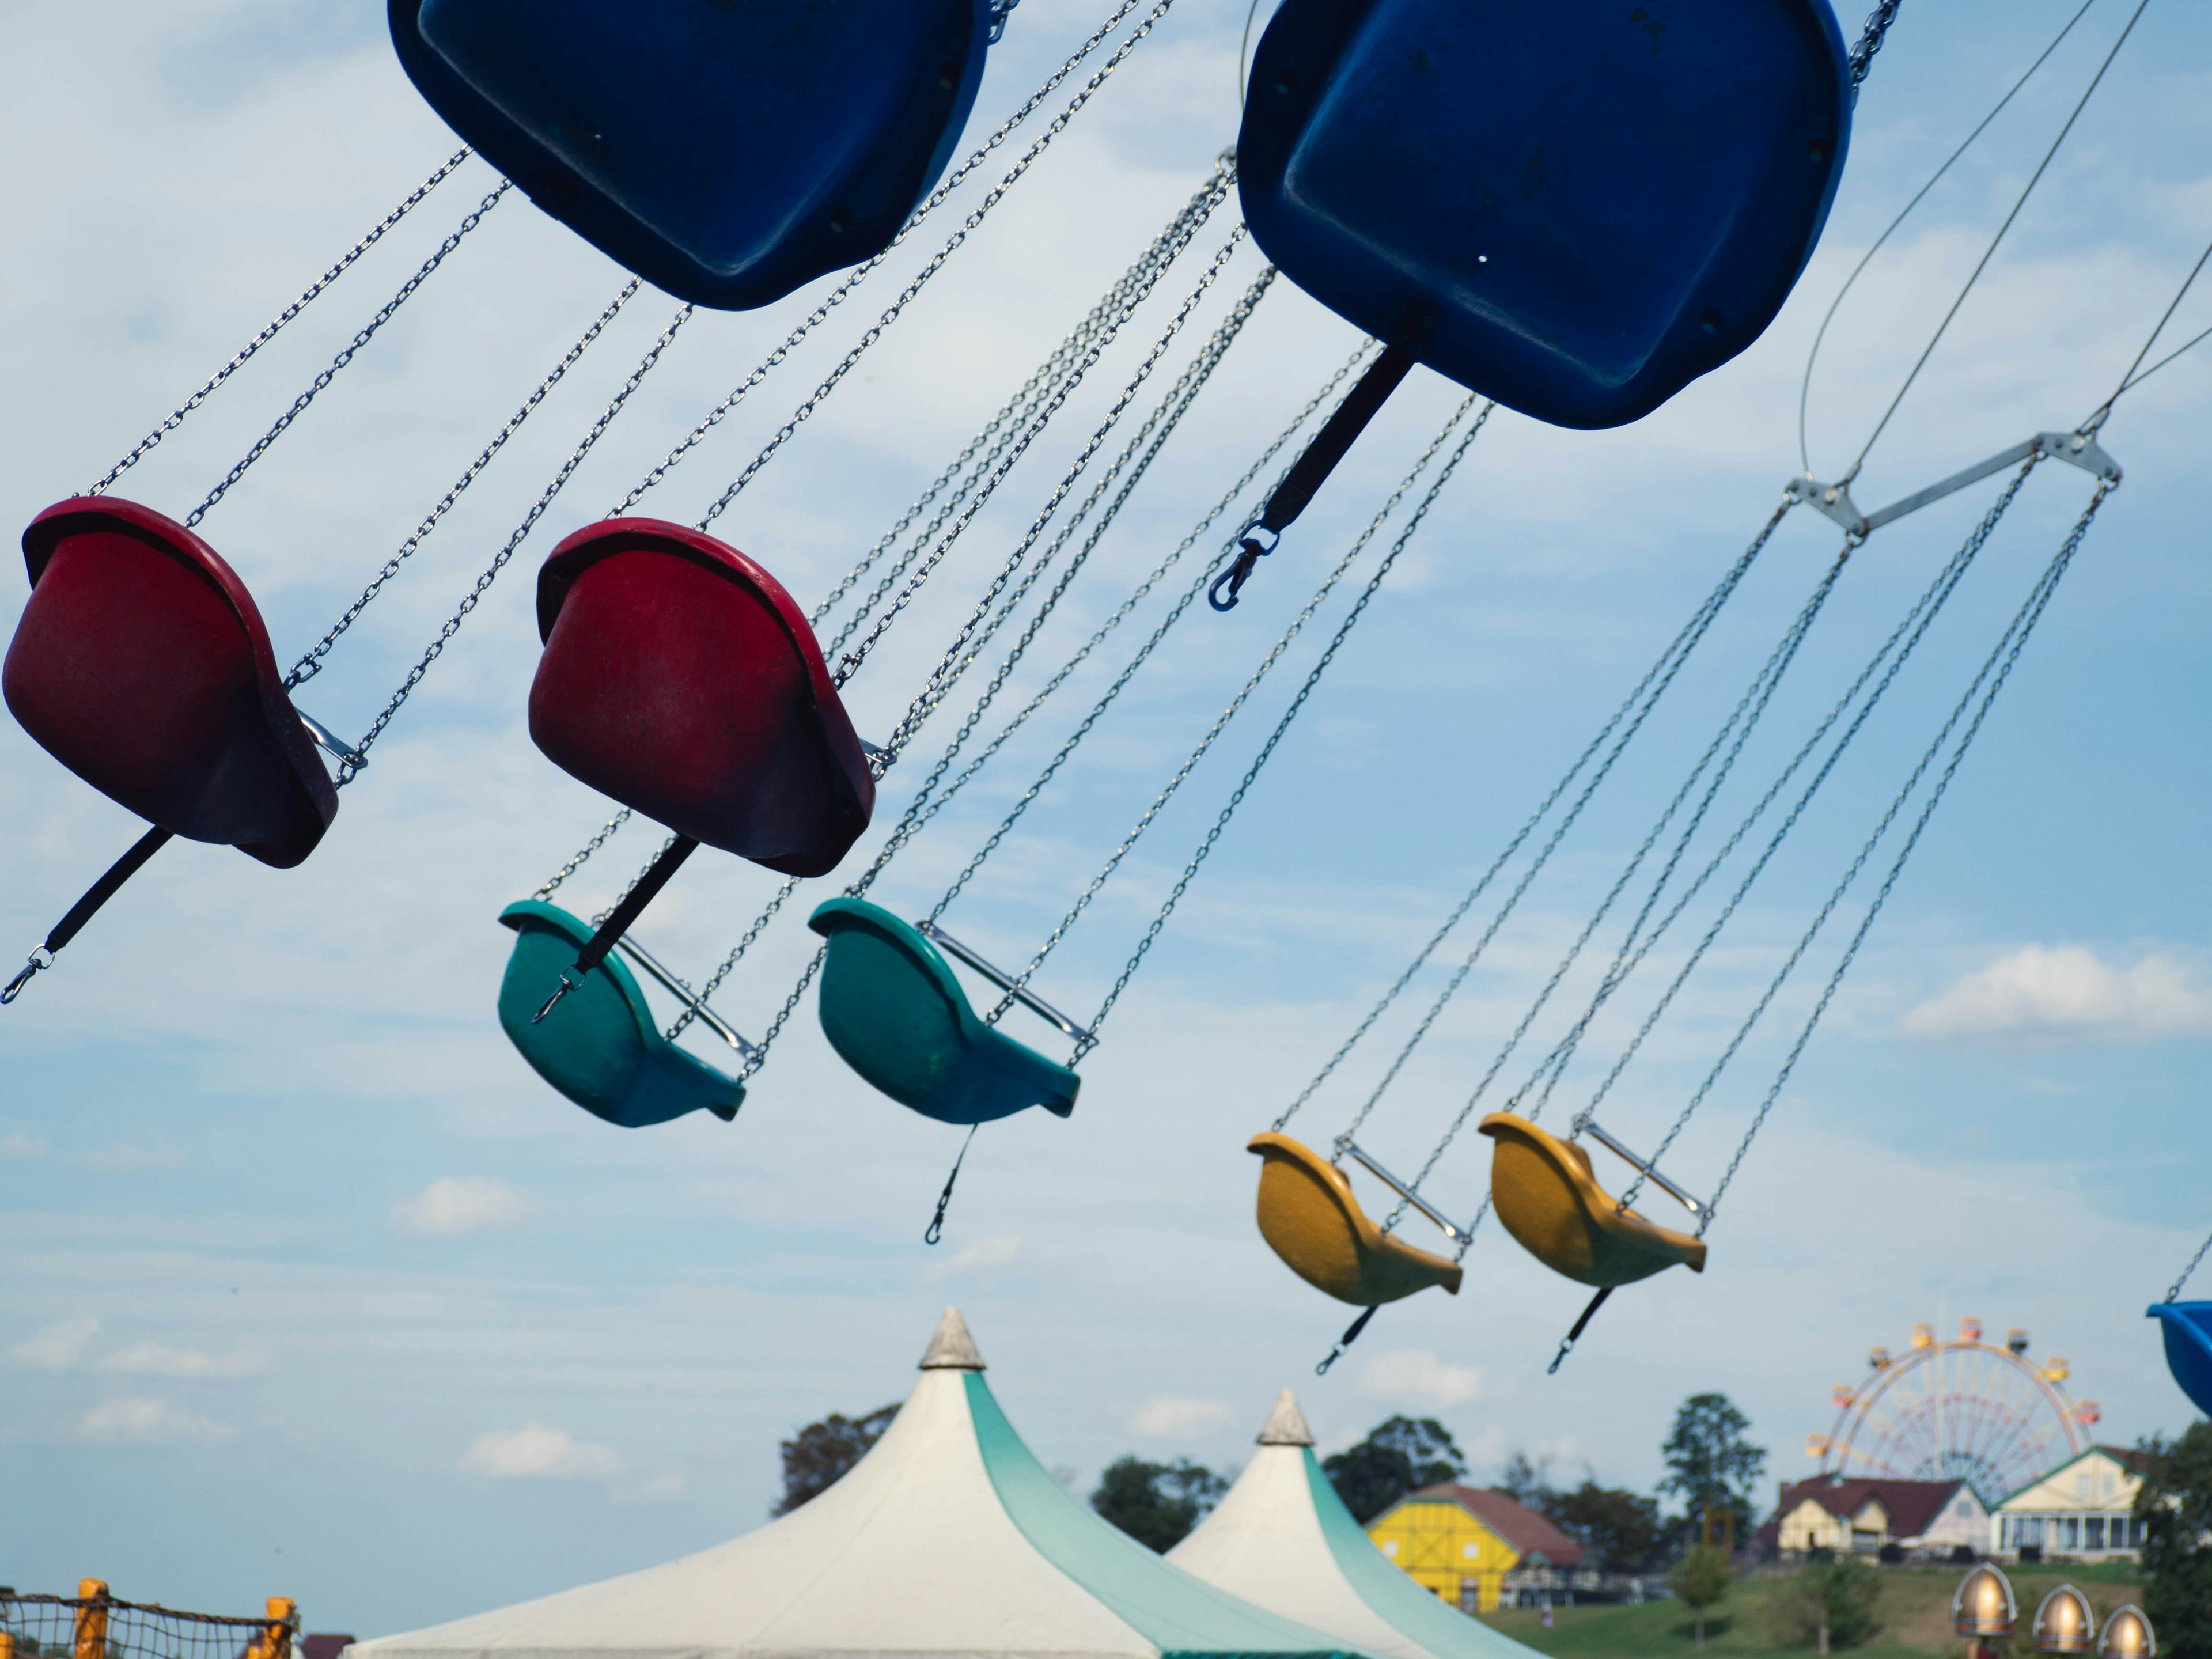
(618, 921)
(945, 1199)
(1350, 1336)
(84, 910)
(1330, 445)
(1574, 1335)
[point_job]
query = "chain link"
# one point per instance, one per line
(1685, 641)
(1186, 226)
(176, 416)
(2010, 646)
(311, 665)
(1236, 703)
(951, 182)
(315, 386)
(576, 861)
(1870, 38)
(348, 769)
(1089, 1039)
(2174, 1291)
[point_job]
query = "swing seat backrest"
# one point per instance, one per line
(2188, 1329)
(1576, 208)
(1544, 1193)
(602, 1049)
(141, 664)
(680, 678)
(1311, 1219)
(728, 153)
(893, 1013)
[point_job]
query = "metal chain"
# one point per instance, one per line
(2173, 1290)
(925, 804)
(1236, 703)
(1918, 621)
(1699, 623)
(1877, 25)
(1202, 206)
(1636, 942)
(935, 263)
(315, 386)
(576, 862)
(916, 817)
(973, 635)
(176, 416)
(1090, 1040)
(311, 665)
(1755, 697)
(1687, 639)
(1042, 391)
(836, 296)
(1120, 680)
(2010, 645)
(348, 769)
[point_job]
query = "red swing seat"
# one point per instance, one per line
(142, 665)
(680, 678)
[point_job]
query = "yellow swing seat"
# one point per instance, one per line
(1309, 1218)
(1543, 1191)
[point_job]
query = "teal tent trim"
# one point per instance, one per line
(1444, 1630)
(1184, 1616)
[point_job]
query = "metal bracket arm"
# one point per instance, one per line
(689, 998)
(329, 741)
(1005, 980)
(1834, 501)
(1643, 1166)
(1451, 1230)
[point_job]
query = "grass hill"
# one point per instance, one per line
(1754, 1622)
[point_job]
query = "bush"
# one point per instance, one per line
(1701, 1580)
(1831, 1605)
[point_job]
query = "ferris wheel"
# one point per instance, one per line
(1961, 1410)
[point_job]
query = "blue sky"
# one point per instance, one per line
(311, 1288)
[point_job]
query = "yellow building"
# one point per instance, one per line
(1460, 1542)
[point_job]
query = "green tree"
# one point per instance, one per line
(1401, 1454)
(1156, 1504)
(818, 1456)
(1831, 1604)
(1621, 1531)
(1700, 1580)
(2175, 1506)
(1710, 1464)
(1525, 1482)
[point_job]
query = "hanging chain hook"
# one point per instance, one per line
(1248, 555)
(936, 1229)
(42, 958)
(1350, 1336)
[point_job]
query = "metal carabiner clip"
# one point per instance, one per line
(1248, 556)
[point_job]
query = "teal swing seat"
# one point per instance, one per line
(893, 1013)
(604, 1052)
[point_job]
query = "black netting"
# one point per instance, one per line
(102, 1627)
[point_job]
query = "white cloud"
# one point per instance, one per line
(22, 1146)
(58, 1347)
(454, 1206)
(994, 1250)
(137, 1422)
(536, 1451)
(1415, 1377)
(2066, 992)
(1168, 1418)
(153, 1359)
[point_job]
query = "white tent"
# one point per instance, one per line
(948, 1539)
(1282, 1538)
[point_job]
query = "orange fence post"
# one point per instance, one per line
(274, 1640)
(90, 1641)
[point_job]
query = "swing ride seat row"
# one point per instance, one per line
(142, 663)
(605, 1052)
(679, 678)
(726, 154)
(1311, 1219)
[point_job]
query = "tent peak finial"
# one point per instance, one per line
(1286, 1424)
(952, 1349)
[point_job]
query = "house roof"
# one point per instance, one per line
(1913, 1505)
(2134, 1462)
(1520, 1527)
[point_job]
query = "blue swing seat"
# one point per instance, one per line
(604, 1052)
(893, 1013)
(2188, 1329)
(1576, 208)
(727, 153)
